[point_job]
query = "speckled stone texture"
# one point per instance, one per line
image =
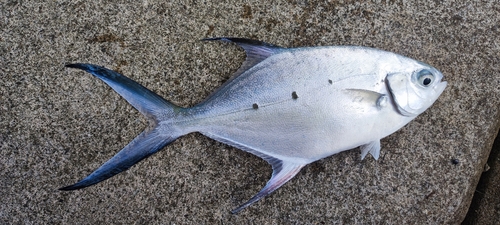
(58, 124)
(485, 206)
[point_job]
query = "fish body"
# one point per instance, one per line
(289, 106)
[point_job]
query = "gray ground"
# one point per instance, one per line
(485, 206)
(58, 124)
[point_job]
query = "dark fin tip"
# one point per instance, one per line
(240, 41)
(212, 39)
(76, 66)
(69, 188)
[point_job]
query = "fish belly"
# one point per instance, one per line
(301, 128)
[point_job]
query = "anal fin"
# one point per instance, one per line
(282, 172)
(284, 169)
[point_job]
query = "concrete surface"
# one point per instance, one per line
(485, 206)
(58, 125)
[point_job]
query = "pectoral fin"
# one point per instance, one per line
(373, 148)
(368, 98)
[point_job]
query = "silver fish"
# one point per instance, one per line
(289, 106)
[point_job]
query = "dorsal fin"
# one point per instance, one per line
(256, 51)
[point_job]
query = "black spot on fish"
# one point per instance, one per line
(294, 95)
(330, 81)
(255, 106)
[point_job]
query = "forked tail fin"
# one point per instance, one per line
(154, 138)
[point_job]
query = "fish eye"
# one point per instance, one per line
(425, 78)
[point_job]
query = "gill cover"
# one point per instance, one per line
(414, 92)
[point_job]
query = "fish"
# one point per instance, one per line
(288, 106)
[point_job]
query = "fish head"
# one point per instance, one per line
(416, 89)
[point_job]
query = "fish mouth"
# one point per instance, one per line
(439, 88)
(441, 85)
